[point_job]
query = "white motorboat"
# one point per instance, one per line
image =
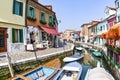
(72, 58)
(77, 55)
(71, 71)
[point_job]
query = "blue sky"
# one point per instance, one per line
(74, 13)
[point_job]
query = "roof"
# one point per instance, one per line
(111, 8)
(42, 6)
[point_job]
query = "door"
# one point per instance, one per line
(3, 40)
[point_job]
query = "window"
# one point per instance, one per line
(42, 18)
(31, 13)
(51, 21)
(118, 18)
(117, 4)
(17, 8)
(17, 35)
(101, 28)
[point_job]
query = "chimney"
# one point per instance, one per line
(49, 7)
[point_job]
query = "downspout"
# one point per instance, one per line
(26, 24)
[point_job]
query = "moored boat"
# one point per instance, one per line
(98, 73)
(77, 55)
(71, 71)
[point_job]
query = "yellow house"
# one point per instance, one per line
(12, 25)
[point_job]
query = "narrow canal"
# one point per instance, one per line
(87, 62)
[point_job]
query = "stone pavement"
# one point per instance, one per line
(28, 56)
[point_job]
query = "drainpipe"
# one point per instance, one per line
(26, 24)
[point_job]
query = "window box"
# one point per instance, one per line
(43, 22)
(31, 18)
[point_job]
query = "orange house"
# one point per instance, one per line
(41, 25)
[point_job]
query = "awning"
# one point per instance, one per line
(50, 30)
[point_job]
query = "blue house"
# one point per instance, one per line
(101, 27)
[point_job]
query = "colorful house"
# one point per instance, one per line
(84, 29)
(117, 6)
(101, 27)
(41, 25)
(12, 25)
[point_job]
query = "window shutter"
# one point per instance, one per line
(14, 6)
(42, 16)
(13, 35)
(33, 13)
(49, 19)
(21, 9)
(28, 11)
(21, 35)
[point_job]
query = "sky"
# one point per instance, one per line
(71, 14)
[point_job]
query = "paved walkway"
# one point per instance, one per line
(27, 56)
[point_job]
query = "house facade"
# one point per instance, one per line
(84, 31)
(101, 27)
(42, 25)
(12, 25)
(117, 6)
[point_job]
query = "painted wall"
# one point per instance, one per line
(38, 8)
(117, 2)
(13, 47)
(6, 13)
(102, 24)
(109, 11)
(111, 21)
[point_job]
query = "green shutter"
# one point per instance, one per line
(49, 19)
(42, 18)
(14, 6)
(13, 35)
(28, 11)
(21, 35)
(21, 9)
(33, 13)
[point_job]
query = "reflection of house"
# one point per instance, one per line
(12, 23)
(42, 25)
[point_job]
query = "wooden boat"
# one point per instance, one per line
(71, 71)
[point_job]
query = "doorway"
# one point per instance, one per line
(3, 39)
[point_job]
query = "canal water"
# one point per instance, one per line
(88, 61)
